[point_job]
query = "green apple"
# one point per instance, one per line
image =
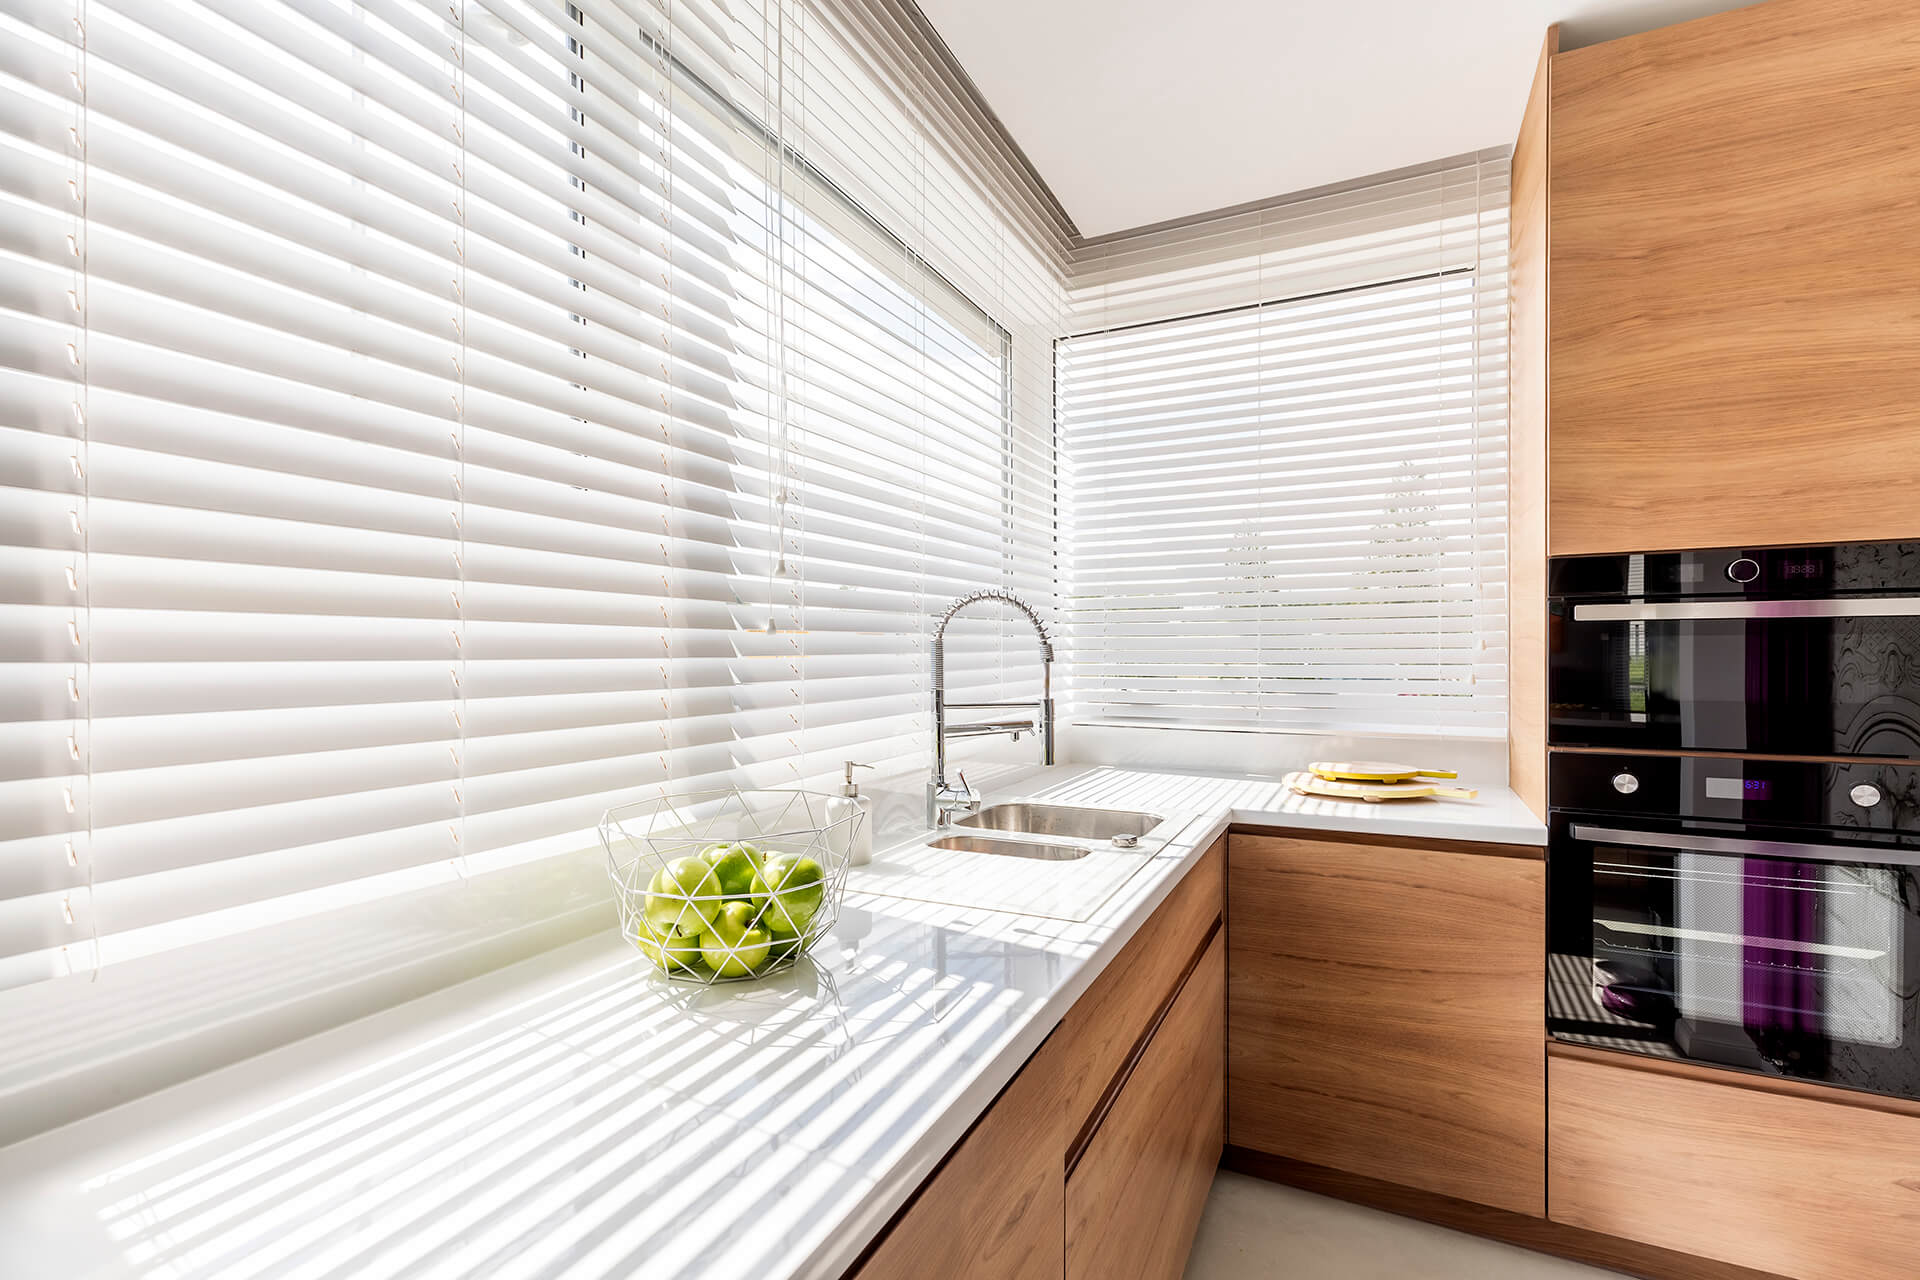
(714, 852)
(734, 946)
(669, 951)
(782, 949)
(737, 866)
(795, 886)
(683, 898)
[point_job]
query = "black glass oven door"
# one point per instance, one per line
(1780, 957)
(1782, 677)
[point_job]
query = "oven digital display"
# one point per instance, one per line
(1738, 788)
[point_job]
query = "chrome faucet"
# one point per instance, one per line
(944, 801)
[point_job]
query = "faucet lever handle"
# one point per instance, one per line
(944, 800)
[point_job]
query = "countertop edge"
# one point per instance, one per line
(1528, 834)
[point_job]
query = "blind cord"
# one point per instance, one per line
(83, 514)
(459, 673)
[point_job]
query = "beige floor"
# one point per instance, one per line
(1256, 1230)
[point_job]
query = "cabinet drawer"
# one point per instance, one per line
(1135, 1197)
(1760, 1176)
(1386, 1013)
(1104, 1025)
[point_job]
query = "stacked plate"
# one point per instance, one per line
(1374, 781)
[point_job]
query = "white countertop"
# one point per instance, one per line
(572, 1115)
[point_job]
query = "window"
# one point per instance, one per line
(424, 427)
(882, 460)
(1289, 497)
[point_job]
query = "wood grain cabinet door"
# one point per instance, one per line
(1781, 1177)
(1735, 311)
(994, 1210)
(1134, 1199)
(1386, 1013)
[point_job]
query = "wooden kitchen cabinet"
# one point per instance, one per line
(1385, 1011)
(1733, 330)
(994, 1209)
(1134, 1198)
(1109, 1136)
(1106, 1026)
(1527, 446)
(1778, 1176)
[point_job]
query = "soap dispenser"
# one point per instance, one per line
(861, 852)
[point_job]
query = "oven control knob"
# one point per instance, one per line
(1625, 783)
(1744, 570)
(1866, 795)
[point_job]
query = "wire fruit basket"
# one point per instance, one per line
(730, 884)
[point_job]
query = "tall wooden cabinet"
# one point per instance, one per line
(1732, 338)
(1527, 446)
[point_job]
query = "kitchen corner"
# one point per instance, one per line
(574, 1111)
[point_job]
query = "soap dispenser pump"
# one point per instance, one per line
(861, 852)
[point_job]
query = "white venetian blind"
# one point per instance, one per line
(373, 523)
(901, 465)
(1287, 441)
(407, 410)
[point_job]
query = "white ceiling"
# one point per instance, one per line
(1138, 111)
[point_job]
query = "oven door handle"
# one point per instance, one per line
(1877, 856)
(1708, 610)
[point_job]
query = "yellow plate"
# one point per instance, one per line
(1308, 784)
(1374, 771)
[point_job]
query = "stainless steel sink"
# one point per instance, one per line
(1069, 821)
(1010, 848)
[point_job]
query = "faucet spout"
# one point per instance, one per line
(944, 801)
(969, 600)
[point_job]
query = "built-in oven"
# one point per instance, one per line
(1802, 651)
(1756, 914)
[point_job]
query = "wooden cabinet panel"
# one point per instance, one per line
(1527, 447)
(1134, 1200)
(1101, 1030)
(1735, 310)
(995, 1210)
(1385, 1013)
(1771, 1178)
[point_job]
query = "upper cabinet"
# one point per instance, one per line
(1733, 216)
